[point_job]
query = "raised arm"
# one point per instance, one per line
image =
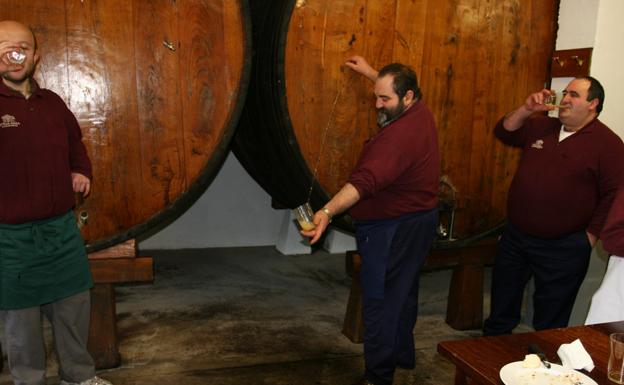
(533, 103)
(360, 65)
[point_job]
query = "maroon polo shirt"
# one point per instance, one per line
(398, 171)
(613, 232)
(40, 146)
(563, 187)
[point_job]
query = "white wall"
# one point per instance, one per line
(234, 211)
(597, 24)
(577, 23)
(608, 60)
(574, 34)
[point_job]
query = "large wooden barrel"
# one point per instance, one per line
(475, 60)
(157, 87)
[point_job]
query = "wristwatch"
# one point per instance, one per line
(328, 213)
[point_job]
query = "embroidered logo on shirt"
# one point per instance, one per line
(9, 121)
(539, 144)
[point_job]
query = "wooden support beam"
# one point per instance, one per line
(119, 270)
(103, 344)
(465, 299)
(127, 249)
(117, 264)
(353, 325)
(464, 307)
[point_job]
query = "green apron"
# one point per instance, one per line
(42, 262)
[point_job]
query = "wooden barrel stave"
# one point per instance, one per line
(157, 88)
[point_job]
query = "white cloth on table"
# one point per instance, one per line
(574, 355)
(607, 304)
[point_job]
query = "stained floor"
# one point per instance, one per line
(254, 316)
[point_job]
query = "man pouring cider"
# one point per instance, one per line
(392, 196)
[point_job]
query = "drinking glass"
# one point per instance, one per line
(16, 56)
(304, 216)
(551, 100)
(615, 367)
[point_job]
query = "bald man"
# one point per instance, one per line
(44, 266)
(568, 175)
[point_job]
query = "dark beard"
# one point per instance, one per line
(386, 116)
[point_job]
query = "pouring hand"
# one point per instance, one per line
(321, 221)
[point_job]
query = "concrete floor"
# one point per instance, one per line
(254, 316)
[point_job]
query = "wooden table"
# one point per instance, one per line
(479, 360)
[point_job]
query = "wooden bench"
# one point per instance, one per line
(117, 264)
(465, 299)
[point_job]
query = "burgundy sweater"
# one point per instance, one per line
(399, 168)
(613, 233)
(563, 187)
(40, 145)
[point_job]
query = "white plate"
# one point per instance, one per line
(515, 374)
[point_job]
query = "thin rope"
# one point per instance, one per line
(318, 158)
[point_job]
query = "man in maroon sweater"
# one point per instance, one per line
(607, 304)
(43, 263)
(558, 201)
(392, 198)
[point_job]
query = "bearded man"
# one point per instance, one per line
(43, 263)
(392, 196)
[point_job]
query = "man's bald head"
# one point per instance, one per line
(17, 32)
(15, 36)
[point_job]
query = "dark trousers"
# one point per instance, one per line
(392, 253)
(558, 267)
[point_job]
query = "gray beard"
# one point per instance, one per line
(382, 119)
